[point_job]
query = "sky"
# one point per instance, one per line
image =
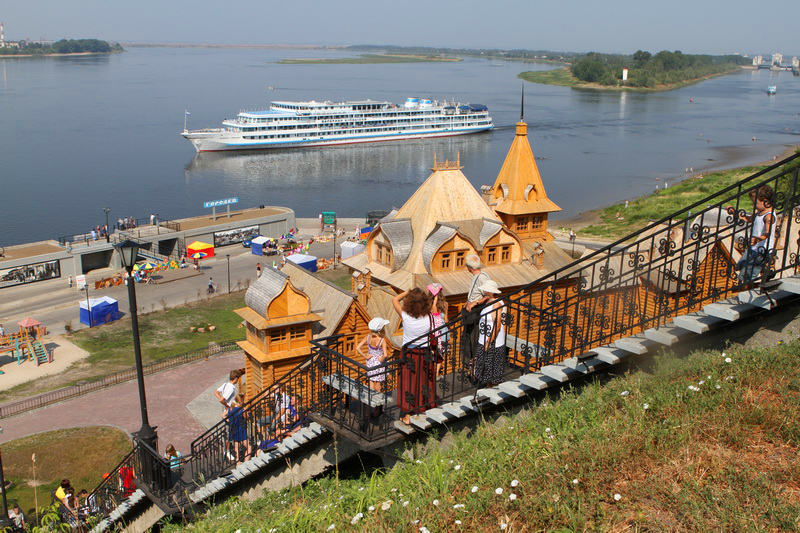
(610, 26)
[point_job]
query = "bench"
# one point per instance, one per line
(355, 390)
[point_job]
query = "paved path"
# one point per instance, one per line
(168, 393)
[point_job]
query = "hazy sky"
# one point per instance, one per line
(692, 26)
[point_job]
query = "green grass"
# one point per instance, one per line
(561, 76)
(706, 443)
(339, 277)
(163, 332)
(564, 77)
(661, 203)
(369, 59)
(78, 454)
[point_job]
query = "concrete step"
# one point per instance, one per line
(515, 388)
(420, 422)
(698, 322)
(494, 395)
(610, 354)
(404, 428)
(586, 363)
(560, 372)
(636, 344)
(730, 310)
(668, 334)
(791, 284)
(458, 409)
(538, 381)
(440, 415)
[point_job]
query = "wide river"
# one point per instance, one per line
(77, 134)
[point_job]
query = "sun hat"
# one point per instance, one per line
(377, 324)
(435, 288)
(490, 286)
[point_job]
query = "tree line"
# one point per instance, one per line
(648, 70)
(64, 46)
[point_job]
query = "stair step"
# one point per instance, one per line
(515, 388)
(791, 284)
(729, 310)
(404, 428)
(538, 381)
(419, 421)
(636, 344)
(494, 395)
(560, 372)
(440, 415)
(668, 335)
(697, 322)
(610, 354)
(458, 409)
(586, 364)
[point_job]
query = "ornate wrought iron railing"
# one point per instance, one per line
(116, 486)
(704, 253)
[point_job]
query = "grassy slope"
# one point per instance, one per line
(662, 202)
(369, 59)
(78, 454)
(706, 443)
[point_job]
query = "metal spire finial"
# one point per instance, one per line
(522, 105)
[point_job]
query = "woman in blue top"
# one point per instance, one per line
(237, 428)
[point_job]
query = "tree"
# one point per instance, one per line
(640, 58)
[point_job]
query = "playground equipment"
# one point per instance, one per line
(27, 345)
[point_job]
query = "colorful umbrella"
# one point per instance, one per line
(148, 266)
(198, 255)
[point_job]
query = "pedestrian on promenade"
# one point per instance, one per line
(227, 391)
(237, 429)
(475, 298)
(417, 383)
(2, 331)
(94, 235)
(258, 270)
(17, 518)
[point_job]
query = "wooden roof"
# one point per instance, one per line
(328, 301)
(519, 188)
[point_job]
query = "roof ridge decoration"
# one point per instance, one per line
(446, 164)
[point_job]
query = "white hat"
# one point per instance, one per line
(490, 286)
(377, 324)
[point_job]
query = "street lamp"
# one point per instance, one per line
(107, 210)
(128, 252)
(228, 257)
(88, 306)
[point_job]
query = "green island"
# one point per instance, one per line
(616, 221)
(370, 59)
(655, 450)
(62, 47)
(646, 72)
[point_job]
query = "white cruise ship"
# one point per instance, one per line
(302, 124)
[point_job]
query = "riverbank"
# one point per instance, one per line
(564, 78)
(614, 221)
(76, 54)
(370, 59)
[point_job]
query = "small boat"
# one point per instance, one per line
(772, 89)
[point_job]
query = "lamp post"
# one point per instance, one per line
(4, 521)
(228, 257)
(129, 251)
(88, 306)
(107, 210)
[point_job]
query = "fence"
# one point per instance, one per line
(68, 393)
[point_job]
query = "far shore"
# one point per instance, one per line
(59, 55)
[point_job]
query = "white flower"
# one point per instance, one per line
(646, 406)
(405, 503)
(708, 377)
(457, 467)
(512, 496)
(419, 462)
(717, 386)
(723, 354)
(371, 508)
(547, 430)
(238, 530)
(385, 506)
(331, 527)
(436, 503)
(474, 489)
(514, 482)
(360, 489)
(693, 388)
(394, 490)
(575, 481)
(498, 490)
(701, 382)
(727, 359)
(451, 461)
(503, 525)
(458, 506)
(617, 496)
(356, 518)
(423, 529)
(624, 393)
(458, 522)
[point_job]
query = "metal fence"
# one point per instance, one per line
(67, 393)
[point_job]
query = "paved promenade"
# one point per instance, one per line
(168, 394)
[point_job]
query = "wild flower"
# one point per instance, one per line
(717, 386)
(512, 496)
(498, 491)
(356, 518)
(436, 503)
(360, 489)
(371, 508)
(617, 497)
(458, 506)
(727, 359)
(458, 522)
(624, 393)
(385, 506)
(423, 529)
(514, 482)
(575, 481)
(646, 406)
(474, 489)
(547, 430)
(331, 527)
(701, 382)
(405, 503)
(457, 467)
(394, 490)
(693, 388)
(503, 525)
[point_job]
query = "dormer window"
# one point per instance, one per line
(383, 254)
(505, 254)
(460, 256)
(445, 260)
(522, 224)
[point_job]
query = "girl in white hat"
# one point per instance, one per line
(377, 352)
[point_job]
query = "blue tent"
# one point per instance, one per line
(309, 262)
(103, 310)
(257, 245)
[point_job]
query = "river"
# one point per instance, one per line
(81, 133)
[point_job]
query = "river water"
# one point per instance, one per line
(77, 134)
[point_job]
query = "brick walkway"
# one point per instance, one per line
(168, 393)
